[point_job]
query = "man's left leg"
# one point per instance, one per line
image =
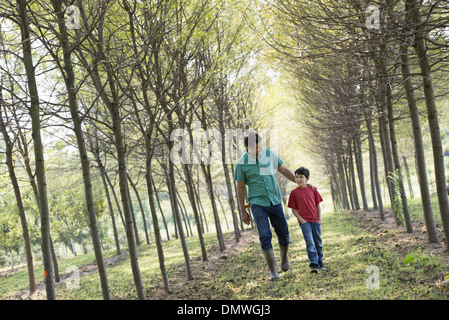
(280, 226)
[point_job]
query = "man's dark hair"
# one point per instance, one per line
(304, 171)
(251, 139)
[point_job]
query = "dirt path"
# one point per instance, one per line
(40, 293)
(204, 271)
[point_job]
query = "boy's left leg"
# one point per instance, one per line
(307, 232)
(316, 234)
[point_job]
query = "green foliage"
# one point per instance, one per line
(421, 258)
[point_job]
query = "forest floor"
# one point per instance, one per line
(354, 244)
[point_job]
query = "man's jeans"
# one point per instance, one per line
(276, 216)
(312, 236)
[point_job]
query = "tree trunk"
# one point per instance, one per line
(360, 171)
(191, 193)
(394, 148)
(176, 214)
(69, 78)
(409, 179)
(432, 115)
(141, 209)
(156, 229)
(419, 148)
(375, 173)
(18, 196)
(352, 177)
(38, 150)
(384, 135)
(160, 208)
(95, 150)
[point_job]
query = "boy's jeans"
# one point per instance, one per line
(275, 215)
(312, 236)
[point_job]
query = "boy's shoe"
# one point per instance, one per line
(313, 270)
(322, 267)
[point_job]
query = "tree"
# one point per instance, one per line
(12, 174)
(38, 148)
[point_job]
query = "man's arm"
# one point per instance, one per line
(287, 173)
(241, 199)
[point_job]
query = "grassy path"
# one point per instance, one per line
(354, 246)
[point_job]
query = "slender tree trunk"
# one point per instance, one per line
(375, 173)
(432, 114)
(70, 82)
(117, 202)
(18, 196)
(160, 207)
(352, 177)
(156, 229)
(38, 150)
(95, 150)
(176, 213)
(409, 180)
(141, 209)
(419, 148)
(133, 216)
(191, 193)
(360, 171)
(384, 135)
(394, 148)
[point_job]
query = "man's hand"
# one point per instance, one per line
(245, 216)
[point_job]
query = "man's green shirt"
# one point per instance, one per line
(259, 177)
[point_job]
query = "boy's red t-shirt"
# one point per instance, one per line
(305, 201)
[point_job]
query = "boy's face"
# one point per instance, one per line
(301, 180)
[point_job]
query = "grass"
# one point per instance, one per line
(349, 252)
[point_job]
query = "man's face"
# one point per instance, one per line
(301, 180)
(256, 148)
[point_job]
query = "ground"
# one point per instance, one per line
(353, 243)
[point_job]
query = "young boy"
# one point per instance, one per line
(305, 204)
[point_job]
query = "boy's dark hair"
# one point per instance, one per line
(251, 139)
(304, 171)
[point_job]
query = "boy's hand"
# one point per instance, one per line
(302, 220)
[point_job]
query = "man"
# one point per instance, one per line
(256, 169)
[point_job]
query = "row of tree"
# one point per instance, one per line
(114, 80)
(363, 70)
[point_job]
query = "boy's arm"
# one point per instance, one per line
(318, 209)
(296, 214)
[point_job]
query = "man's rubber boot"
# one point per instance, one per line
(271, 262)
(284, 259)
